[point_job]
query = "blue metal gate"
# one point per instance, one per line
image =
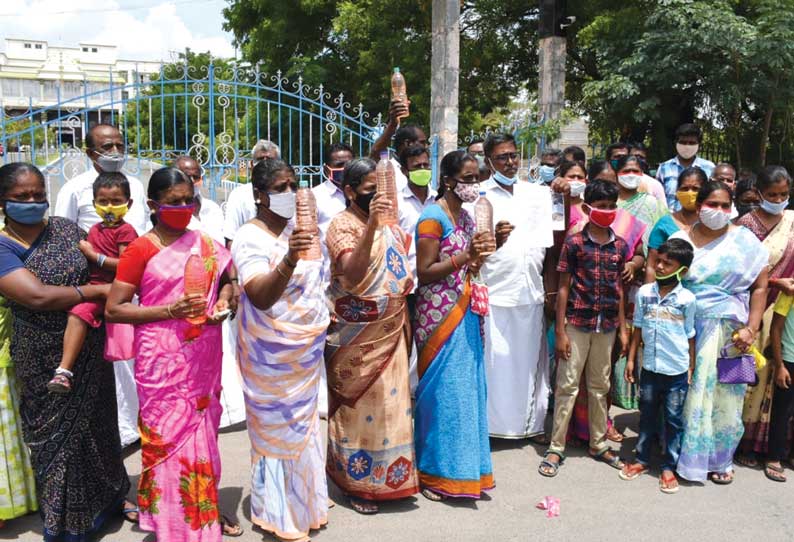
(215, 113)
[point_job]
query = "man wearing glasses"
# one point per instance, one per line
(516, 362)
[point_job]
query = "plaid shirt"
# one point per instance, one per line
(668, 173)
(595, 270)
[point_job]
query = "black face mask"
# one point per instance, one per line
(363, 201)
(744, 208)
(667, 281)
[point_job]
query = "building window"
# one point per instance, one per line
(85, 49)
(93, 49)
(27, 46)
(38, 46)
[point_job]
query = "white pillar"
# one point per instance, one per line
(551, 86)
(445, 73)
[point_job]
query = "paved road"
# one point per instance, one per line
(595, 505)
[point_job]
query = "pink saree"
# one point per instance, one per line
(178, 377)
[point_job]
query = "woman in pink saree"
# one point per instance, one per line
(177, 365)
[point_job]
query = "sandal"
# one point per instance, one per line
(721, 478)
(540, 439)
(363, 506)
(431, 495)
(609, 457)
(632, 471)
(774, 472)
(130, 511)
(60, 384)
(614, 435)
(747, 461)
(548, 468)
(230, 528)
(668, 484)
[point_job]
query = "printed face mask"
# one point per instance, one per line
(714, 219)
(111, 214)
(467, 192)
(283, 204)
(26, 212)
(336, 175)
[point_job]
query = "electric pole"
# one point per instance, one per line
(445, 73)
(551, 56)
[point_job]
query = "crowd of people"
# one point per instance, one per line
(418, 340)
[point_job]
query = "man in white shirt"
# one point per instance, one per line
(405, 136)
(240, 207)
(414, 197)
(328, 194)
(516, 359)
(208, 215)
(105, 147)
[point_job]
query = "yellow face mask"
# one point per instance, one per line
(687, 199)
(111, 214)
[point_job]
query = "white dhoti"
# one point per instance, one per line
(517, 371)
(232, 399)
(126, 401)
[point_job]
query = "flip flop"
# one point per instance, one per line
(628, 474)
(129, 508)
(721, 478)
(774, 473)
(664, 488)
(363, 506)
(230, 528)
(431, 495)
(554, 467)
(615, 462)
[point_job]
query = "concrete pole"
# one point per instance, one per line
(445, 73)
(551, 86)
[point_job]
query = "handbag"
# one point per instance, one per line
(118, 342)
(479, 296)
(736, 369)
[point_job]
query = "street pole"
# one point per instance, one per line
(445, 73)
(551, 56)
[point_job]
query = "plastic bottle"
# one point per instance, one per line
(195, 281)
(483, 217)
(306, 220)
(387, 185)
(557, 211)
(399, 90)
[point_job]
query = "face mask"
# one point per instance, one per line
(744, 208)
(547, 174)
(503, 179)
(577, 188)
(629, 181)
(687, 198)
(111, 163)
(420, 177)
(175, 217)
(614, 163)
(773, 208)
(675, 276)
(110, 214)
(363, 201)
(337, 173)
(480, 160)
(26, 212)
(714, 219)
(467, 192)
(686, 151)
(602, 217)
(283, 204)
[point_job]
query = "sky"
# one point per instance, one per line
(142, 29)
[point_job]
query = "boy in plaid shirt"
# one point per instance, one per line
(590, 311)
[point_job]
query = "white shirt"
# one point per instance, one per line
(410, 208)
(514, 273)
(240, 208)
(330, 202)
(210, 220)
(400, 180)
(76, 202)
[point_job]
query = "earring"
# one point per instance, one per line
(257, 201)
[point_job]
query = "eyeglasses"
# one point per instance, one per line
(468, 179)
(506, 157)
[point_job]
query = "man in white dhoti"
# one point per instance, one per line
(516, 362)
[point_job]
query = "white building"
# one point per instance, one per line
(35, 75)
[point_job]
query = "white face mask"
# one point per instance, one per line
(111, 163)
(714, 219)
(686, 151)
(283, 204)
(577, 188)
(630, 181)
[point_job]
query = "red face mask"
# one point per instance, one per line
(175, 217)
(602, 217)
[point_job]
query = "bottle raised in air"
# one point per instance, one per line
(399, 90)
(483, 218)
(387, 185)
(196, 281)
(306, 220)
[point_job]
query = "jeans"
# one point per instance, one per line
(782, 410)
(657, 392)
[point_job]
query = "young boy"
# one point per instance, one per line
(590, 311)
(106, 241)
(664, 320)
(781, 337)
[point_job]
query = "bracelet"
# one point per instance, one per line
(168, 311)
(455, 266)
(289, 262)
(80, 293)
(280, 272)
(100, 260)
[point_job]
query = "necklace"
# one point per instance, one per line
(13, 232)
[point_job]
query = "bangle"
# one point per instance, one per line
(289, 262)
(80, 293)
(100, 260)
(168, 310)
(455, 266)
(280, 272)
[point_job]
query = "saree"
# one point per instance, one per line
(453, 451)
(779, 241)
(647, 209)
(370, 425)
(178, 375)
(17, 485)
(280, 355)
(74, 442)
(720, 277)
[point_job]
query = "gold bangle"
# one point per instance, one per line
(280, 272)
(289, 263)
(170, 314)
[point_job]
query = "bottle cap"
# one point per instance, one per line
(384, 155)
(396, 69)
(195, 251)
(482, 192)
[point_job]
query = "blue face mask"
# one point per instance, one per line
(614, 163)
(547, 174)
(503, 179)
(26, 212)
(774, 208)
